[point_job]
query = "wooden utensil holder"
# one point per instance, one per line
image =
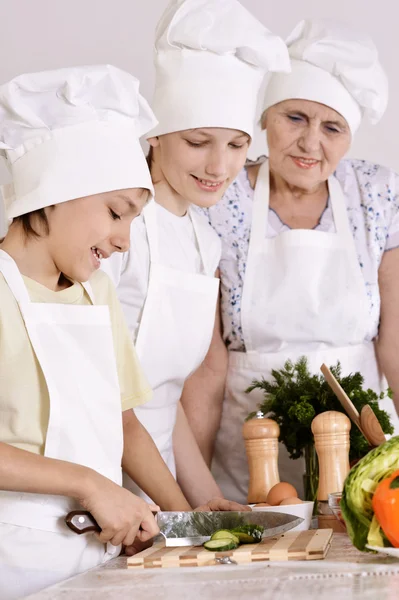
(261, 444)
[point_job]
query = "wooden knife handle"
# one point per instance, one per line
(81, 521)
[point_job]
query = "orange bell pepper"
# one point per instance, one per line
(386, 507)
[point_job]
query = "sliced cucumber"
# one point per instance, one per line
(249, 534)
(225, 534)
(244, 538)
(221, 545)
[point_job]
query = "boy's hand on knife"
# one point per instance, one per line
(121, 515)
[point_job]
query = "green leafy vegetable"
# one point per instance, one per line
(358, 491)
(295, 396)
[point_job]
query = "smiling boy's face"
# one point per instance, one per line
(200, 164)
(84, 230)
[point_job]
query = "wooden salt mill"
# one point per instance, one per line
(331, 436)
(261, 443)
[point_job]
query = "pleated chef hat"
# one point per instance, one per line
(71, 133)
(335, 65)
(210, 59)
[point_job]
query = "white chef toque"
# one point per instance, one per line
(210, 59)
(71, 133)
(335, 65)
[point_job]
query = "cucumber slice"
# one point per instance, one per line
(221, 545)
(222, 534)
(249, 534)
(244, 538)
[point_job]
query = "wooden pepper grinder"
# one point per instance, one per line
(331, 436)
(261, 443)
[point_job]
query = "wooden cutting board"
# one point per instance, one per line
(299, 545)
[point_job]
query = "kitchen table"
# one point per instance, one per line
(346, 574)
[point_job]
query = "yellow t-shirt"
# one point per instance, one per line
(24, 399)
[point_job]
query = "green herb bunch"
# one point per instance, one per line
(294, 397)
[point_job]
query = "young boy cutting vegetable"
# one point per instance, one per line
(67, 363)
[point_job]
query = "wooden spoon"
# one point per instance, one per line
(342, 396)
(367, 421)
(371, 425)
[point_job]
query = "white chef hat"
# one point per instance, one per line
(335, 65)
(71, 133)
(210, 59)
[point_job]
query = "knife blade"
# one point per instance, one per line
(195, 528)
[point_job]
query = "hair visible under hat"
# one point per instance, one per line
(71, 133)
(334, 64)
(308, 82)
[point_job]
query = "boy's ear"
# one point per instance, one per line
(154, 141)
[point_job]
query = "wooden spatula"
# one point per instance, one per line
(367, 422)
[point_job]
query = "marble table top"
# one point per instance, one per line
(345, 574)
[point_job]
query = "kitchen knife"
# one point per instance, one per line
(195, 528)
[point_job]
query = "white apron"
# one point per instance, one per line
(173, 338)
(74, 347)
(304, 294)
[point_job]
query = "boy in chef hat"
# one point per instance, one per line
(210, 59)
(67, 364)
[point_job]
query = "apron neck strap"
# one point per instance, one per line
(13, 277)
(339, 210)
(151, 225)
(260, 210)
(89, 291)
(14, 280)
(261, 202)
(201, 243)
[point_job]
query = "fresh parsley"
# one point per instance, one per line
(294, 397)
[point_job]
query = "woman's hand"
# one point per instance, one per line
(121, 515)
(222, 504)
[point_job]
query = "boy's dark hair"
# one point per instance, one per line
(27, 221)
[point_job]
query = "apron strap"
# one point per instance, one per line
(13, 277)
(261, 203)
(151, 225)
(260, 212)
(15, 282)
(200, 241)
(343, 228)
(339, 210)
(89, 291)
(260, 209)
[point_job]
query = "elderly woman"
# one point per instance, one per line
(310, 240)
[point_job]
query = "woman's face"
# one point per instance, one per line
(200, 164)
(306, 141)
(83, 231)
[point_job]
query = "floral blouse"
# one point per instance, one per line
(372, 199)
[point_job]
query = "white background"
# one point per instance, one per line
(45, 34)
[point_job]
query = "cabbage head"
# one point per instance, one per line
(358, 491)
